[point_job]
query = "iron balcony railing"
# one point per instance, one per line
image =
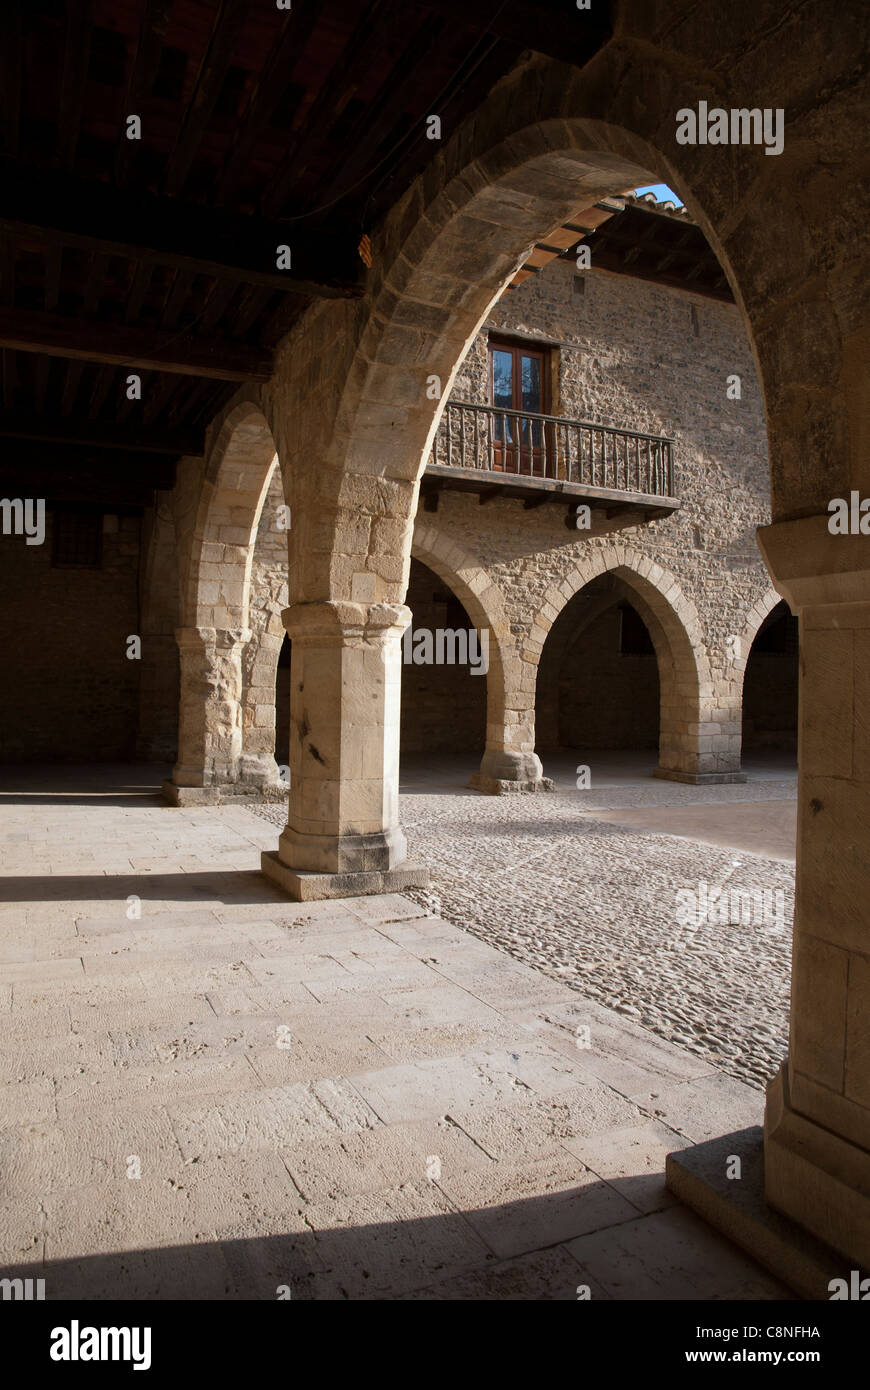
(530, 445)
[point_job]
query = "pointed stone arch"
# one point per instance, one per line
(350, 396)
(509, 762)
(756, 617)
(217, 550)
(689, 728)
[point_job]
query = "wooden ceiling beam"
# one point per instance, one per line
(152, 32)
(72, 92)
(399, 92)
(11, 65)
(100, 435)
(127, 347)
(53, 208)
(565, 33)
(124, 465)
(364, 46)
(271, 86)
(213, 69)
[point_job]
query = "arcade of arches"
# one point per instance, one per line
(301, 525)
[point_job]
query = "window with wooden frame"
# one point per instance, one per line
(519, 381)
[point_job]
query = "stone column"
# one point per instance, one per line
(343, 836)
(209, 717)
(510, 763)
(817, 1120)
(257, 767)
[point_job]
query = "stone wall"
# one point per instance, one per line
(68, 691)
(633, 354)
(626, 353)
(640, 356)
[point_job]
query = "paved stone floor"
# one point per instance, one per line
(583, 885)
(231, 1092)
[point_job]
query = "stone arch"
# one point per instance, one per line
(260, 710)
(350, 390)
(755, 620)
(239, 464)
(755, 617)
(215, 579)
(547, 139)
(687, 751)
(510, 737)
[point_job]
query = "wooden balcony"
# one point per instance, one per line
(549, 459)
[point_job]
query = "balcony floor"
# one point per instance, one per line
(535, 492)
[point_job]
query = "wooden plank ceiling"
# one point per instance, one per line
(637, 236)
(260, 127)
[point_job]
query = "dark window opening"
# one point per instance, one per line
(634, 638)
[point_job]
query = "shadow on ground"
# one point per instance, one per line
(527, 1249)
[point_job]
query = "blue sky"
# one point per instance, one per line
(661, 191)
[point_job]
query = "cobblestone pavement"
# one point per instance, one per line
(594, 905)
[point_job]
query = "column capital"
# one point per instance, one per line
(341, 619)
(810, 567)
(200, 637)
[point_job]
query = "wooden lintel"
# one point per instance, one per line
(52, 208)
(122, 345)
(96, 434)
(569, 35)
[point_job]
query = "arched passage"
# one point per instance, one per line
(691, 744)
(509, 761)
(598, 682)
(215, 582)
(444, 677)
(770, 688)
(551, 139)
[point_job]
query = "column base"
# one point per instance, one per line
(307, 885)
(737, 1208)
(699, 779)
(496, 786)
(503, 772)
(221, 792)
(815, 1177)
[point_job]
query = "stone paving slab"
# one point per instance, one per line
(358, 1099)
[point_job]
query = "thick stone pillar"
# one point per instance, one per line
(510, 763)
(699, 739)
(505, 770)
(209, 715)
(343, 836)
(258, 769)
(817, 1121)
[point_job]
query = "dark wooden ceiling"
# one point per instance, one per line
(260, 127)
(656, 245)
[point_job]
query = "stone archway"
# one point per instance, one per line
(354, 387)
(697, 742)
(260, 707)
(778, 687)
(546, 139)
(509, 762)
(216, 551)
